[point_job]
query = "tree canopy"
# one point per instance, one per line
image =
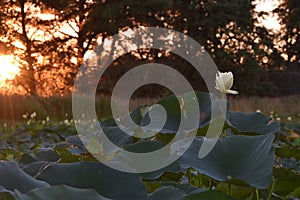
(50, 39)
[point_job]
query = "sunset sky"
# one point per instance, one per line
(271, 21)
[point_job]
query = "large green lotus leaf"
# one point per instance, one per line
(106, 181)
(60, 192)
(172, 107)
(288, 152)
(251, 123)
(26, 159)
(47, 155)
(167, 193)
(66, 156)
(173, 191)
(117, 136)
(75, 140)
(283, 187)
(248, 158)
(144, 146)
(211, 195)
(287, 180)
(297, 192)
(286, 174)
(238, 192)
(6, 194)
(185, 187)
(36, 167)
(12, 177)
(136, 115)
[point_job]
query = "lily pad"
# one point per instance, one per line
(12, 178)
(106, 181)
(251, 123)
(248, 158)
(60, 192)
(217, 195)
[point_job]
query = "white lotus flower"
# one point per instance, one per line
(224, 82)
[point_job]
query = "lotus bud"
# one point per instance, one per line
(224, 82)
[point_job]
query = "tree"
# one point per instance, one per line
(289, 13)
(27, 27)
(229, 31)
(50, 38)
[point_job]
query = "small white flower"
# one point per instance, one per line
(224, 82)
(278, 119)
(24, 116)
(33, 115)
(47, 119)
(259, 111)
(66, 121)
(289, 118)
(43, 122)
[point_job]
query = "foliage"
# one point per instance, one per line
(229, 32)
(288, 12)
(50, 39)
(253, 159)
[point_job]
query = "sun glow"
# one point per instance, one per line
(8, 70)
(270, 20)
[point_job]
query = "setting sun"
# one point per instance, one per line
(8, 70)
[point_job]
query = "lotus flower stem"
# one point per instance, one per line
(200, 179)
(211, 181)
(257, 194)
(229, 189)
(271, 189)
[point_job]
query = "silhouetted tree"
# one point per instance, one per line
(289, 13)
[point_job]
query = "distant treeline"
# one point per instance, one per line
(50, 40)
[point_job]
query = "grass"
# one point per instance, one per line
(57, 108)
(277, 107)
(14, 108)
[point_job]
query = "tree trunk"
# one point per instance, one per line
(30, 79)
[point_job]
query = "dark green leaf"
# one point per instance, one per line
(288, 152)
(167, 193)
(251, 123)
(106, 181)
(211, 195)
(60, 192)
(248, 158)
(12, 177)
